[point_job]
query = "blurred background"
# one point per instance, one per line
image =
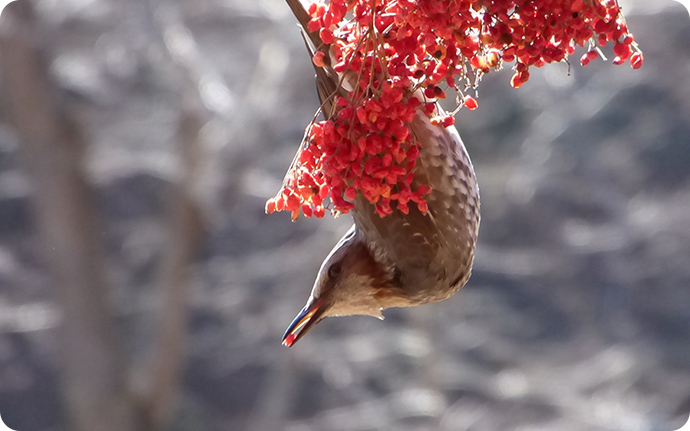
(142, 287)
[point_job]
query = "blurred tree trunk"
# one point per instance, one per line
(102, 392)
(91, 360)
(158, 376)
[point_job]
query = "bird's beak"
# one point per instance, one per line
(308, 317)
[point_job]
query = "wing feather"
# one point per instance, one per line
(436, 247)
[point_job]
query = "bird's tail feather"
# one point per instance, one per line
(327, 80)
(303, 17)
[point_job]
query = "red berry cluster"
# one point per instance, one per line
(368, 150)
(398, 56)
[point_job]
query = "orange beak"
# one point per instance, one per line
(310, 315)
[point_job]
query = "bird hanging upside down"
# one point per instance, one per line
(399, 260)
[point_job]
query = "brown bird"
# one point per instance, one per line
(399, 260)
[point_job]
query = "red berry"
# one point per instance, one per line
(636, 60)
(280, 203)
(312, 9)
(622, 50)
(270, 206)
(326, 36)
(307, 210)
(319, 59)
(350, 194)
(470, 103)
(314, 24)
(577, 5)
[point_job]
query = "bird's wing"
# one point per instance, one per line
(439, 244)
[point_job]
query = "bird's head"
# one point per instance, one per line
(350, 281)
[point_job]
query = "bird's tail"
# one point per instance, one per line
(327, 80)
(303, 17)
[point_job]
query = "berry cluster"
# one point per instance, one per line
(398, 56)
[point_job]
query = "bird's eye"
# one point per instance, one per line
(335, 270)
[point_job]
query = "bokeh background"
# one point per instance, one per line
(181, 117)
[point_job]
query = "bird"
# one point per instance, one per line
(400, 260)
